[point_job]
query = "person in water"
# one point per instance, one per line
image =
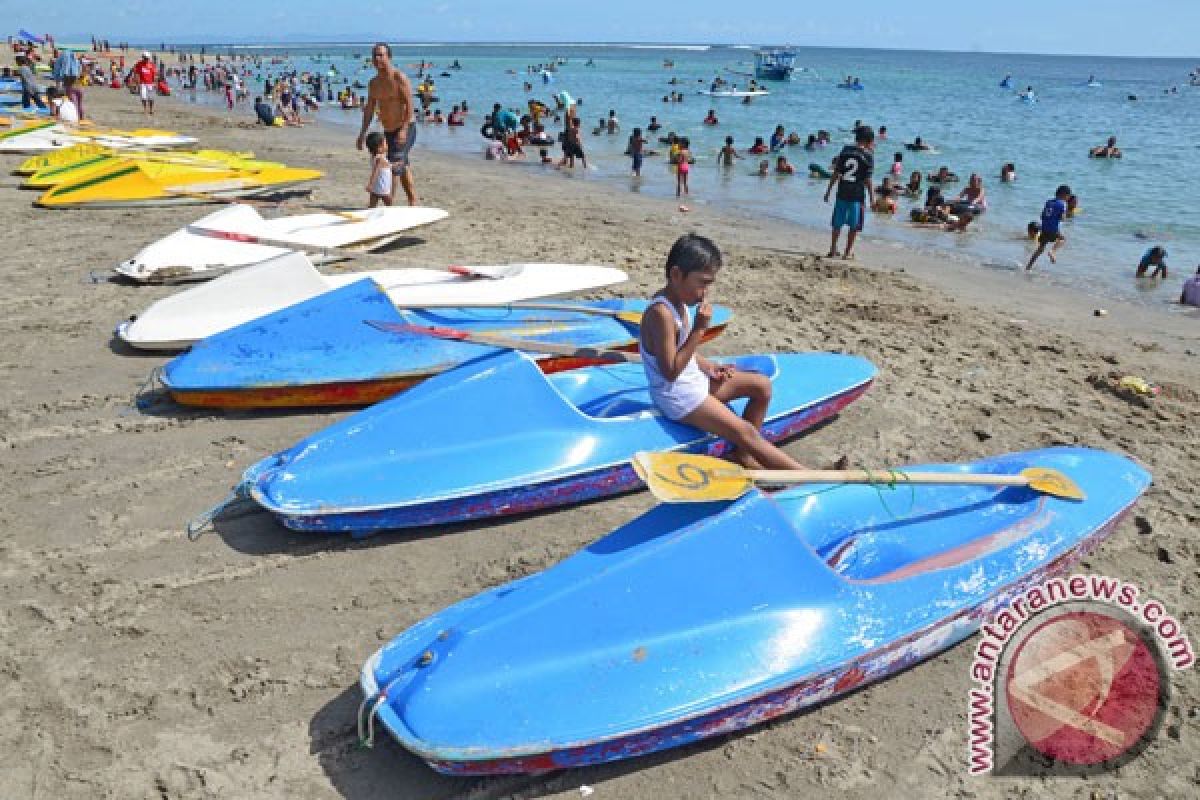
(682, 168)
(782, 167)
(654, 124)
(685, 386)
(711, 119)
(1008, 173)
(885, 197)
(727, 154)
(943, 175)
(636, 147)
(1191, 290)
(1154, 257)
(1052, 216)
(1108, 150)
(777, 139)
(917, 145)
(764, 168)
(759, 147)
(852, 176)
(913, 188)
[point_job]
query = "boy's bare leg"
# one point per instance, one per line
(715, 417)
(1035, 255)
(833, 243)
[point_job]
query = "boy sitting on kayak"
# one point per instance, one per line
(689, 388)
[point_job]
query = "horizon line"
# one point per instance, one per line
(351, 40)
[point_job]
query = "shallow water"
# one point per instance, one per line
(951, 100)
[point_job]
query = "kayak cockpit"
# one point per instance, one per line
(885, 534)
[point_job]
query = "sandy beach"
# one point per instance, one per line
(136, 664)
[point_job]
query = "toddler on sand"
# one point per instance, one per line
(379, 185)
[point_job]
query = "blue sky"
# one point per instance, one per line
(1098, 27)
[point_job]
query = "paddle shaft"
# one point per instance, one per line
(880, 477)
(634, 317)
(527, 345)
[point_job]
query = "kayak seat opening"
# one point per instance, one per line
(622, 403)
(927, 543)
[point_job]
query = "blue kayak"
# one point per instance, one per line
(498, 436)
(697, 620)
(342, 348)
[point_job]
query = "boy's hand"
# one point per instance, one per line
(704, 314)
(721, 372)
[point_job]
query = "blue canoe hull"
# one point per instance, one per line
(441, 452)
(337, 349)
(791, 600)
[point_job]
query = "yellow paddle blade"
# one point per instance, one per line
(688, 478)
(1053, 482)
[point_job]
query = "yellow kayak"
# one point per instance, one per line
(139, 182)
(58, 158)
(26, 126)
(184, 160)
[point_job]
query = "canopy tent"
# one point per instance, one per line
(29, 37)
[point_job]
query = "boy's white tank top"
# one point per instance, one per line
(678, 398)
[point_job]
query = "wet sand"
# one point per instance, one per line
(134, 664)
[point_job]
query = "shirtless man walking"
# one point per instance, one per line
(390, 93)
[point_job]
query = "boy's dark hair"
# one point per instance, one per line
(863, 134)
(1062, 190)
(693, 253)
(387, 48)
(374, 138)
(728, 140)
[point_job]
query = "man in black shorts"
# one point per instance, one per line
(390, 95)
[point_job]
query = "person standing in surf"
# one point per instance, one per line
(389, 94)
(852, 175)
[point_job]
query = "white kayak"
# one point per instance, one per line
(56, 137)
(182, 319)
(734, 92)
(189, 256)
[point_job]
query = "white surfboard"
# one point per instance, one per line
(56, 137)
(178, 321)
(188, 256)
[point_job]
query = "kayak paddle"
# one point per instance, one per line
(688, 478)
(631, 317)
(496, 340)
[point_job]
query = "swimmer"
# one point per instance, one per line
(764, 168)
(654, 124)
(897, 165)
(777, 139)
(782, 167)
(759, 147)
(917, 145)
(711, 119)
(1109, 150)
(885, 197)
(913, 187)
(1008, 173)
(943, 175)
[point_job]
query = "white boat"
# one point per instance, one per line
(56, 137)
(189, 256)
(178, 321)
(734, 92)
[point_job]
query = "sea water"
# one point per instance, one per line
(953, 101)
